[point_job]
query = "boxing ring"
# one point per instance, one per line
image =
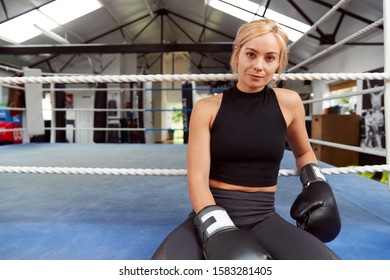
(99, 210)
(111, 217)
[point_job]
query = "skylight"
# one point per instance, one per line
(50, 16)
(22, 28)
(247, 11)
(63, 11)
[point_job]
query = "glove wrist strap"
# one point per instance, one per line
(211, 220)
(311, 173)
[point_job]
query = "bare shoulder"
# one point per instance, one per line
(287, 97)
(206, 109)
(290, 103)
(209, 103)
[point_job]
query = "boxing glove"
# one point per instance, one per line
(222, 240)
(315, 209)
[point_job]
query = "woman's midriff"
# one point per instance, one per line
(230, 187)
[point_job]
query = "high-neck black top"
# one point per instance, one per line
(248, 138)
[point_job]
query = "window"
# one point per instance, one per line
(343, 105)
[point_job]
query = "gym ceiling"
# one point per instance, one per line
(152, 27)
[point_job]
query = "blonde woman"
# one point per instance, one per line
(236, 143)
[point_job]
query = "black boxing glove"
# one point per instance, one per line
(315, 208)
(222, 240)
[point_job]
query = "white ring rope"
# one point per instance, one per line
(316, 24)
(365, 150)
(340, 43)
(348, 94)
(117, 78)
(167, 172)
(116, 89)
(192, 77)
(185, 77)
(335, 76)
(92, 171)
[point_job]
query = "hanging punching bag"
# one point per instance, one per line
(186, 97)
(141, 123)
(60, 116)
(100, 117)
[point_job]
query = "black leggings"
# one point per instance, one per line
(254, 213)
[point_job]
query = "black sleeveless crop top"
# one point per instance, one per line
(248, 138)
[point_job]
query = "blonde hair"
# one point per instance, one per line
(256, 28)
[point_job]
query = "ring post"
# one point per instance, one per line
(386, 46)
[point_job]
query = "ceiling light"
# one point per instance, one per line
(48, 17)
(247, 11)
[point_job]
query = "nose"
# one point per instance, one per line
(258, 64)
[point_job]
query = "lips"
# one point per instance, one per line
(256, 77)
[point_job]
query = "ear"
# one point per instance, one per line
(236, 53)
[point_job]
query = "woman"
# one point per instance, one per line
(236, 142)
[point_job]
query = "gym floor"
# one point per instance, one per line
(109, 217)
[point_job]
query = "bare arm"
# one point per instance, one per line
(315, 208)
(297, 137)
(198, 154)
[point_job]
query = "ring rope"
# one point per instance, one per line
(123, 89)
(14, 86)
(92, 171)
(102, 110)
(118, 78)
(116, 110)
(13, 108)
(365, 150)
(348, 94)
(184, 77)
(168, 172)
(12, 129)
(318, 22)
(193, 77)
(115, 129)
(340, 43)
(336, 76)
(146, 129)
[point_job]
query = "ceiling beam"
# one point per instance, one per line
(5, 10)
(114, 48)
(348, 13)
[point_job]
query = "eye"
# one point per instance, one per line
(251, 54)
(270, 58)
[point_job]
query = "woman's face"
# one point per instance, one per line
(257, 63)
